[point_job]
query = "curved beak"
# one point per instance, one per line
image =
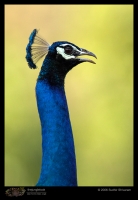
(88, 53)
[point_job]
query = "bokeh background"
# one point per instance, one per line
(100, 97)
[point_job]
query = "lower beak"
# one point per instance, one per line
(88, 53)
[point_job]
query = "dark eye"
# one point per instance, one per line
(68, 49)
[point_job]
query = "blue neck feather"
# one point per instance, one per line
(58, 154)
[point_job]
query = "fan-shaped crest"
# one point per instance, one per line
(36, 49)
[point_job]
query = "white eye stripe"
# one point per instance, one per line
(60, 51)
(62, 45)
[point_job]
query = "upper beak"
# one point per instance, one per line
(88, 53)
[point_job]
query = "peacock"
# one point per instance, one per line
(58, 166)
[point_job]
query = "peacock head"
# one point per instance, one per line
(61, 53)
(68, 54)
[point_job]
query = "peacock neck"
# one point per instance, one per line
(53, 72)
(58, 154)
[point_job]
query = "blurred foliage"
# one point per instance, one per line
(100, 97)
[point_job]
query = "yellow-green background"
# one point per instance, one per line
(100, 97)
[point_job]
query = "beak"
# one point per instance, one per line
(88, 53)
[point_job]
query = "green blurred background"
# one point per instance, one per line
(100, 97)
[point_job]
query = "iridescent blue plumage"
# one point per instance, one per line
(58, 153)
(58, 159)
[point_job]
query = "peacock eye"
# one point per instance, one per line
(68, 50)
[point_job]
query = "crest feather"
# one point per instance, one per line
(36, 49)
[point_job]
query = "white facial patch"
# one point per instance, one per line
(60, 51)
